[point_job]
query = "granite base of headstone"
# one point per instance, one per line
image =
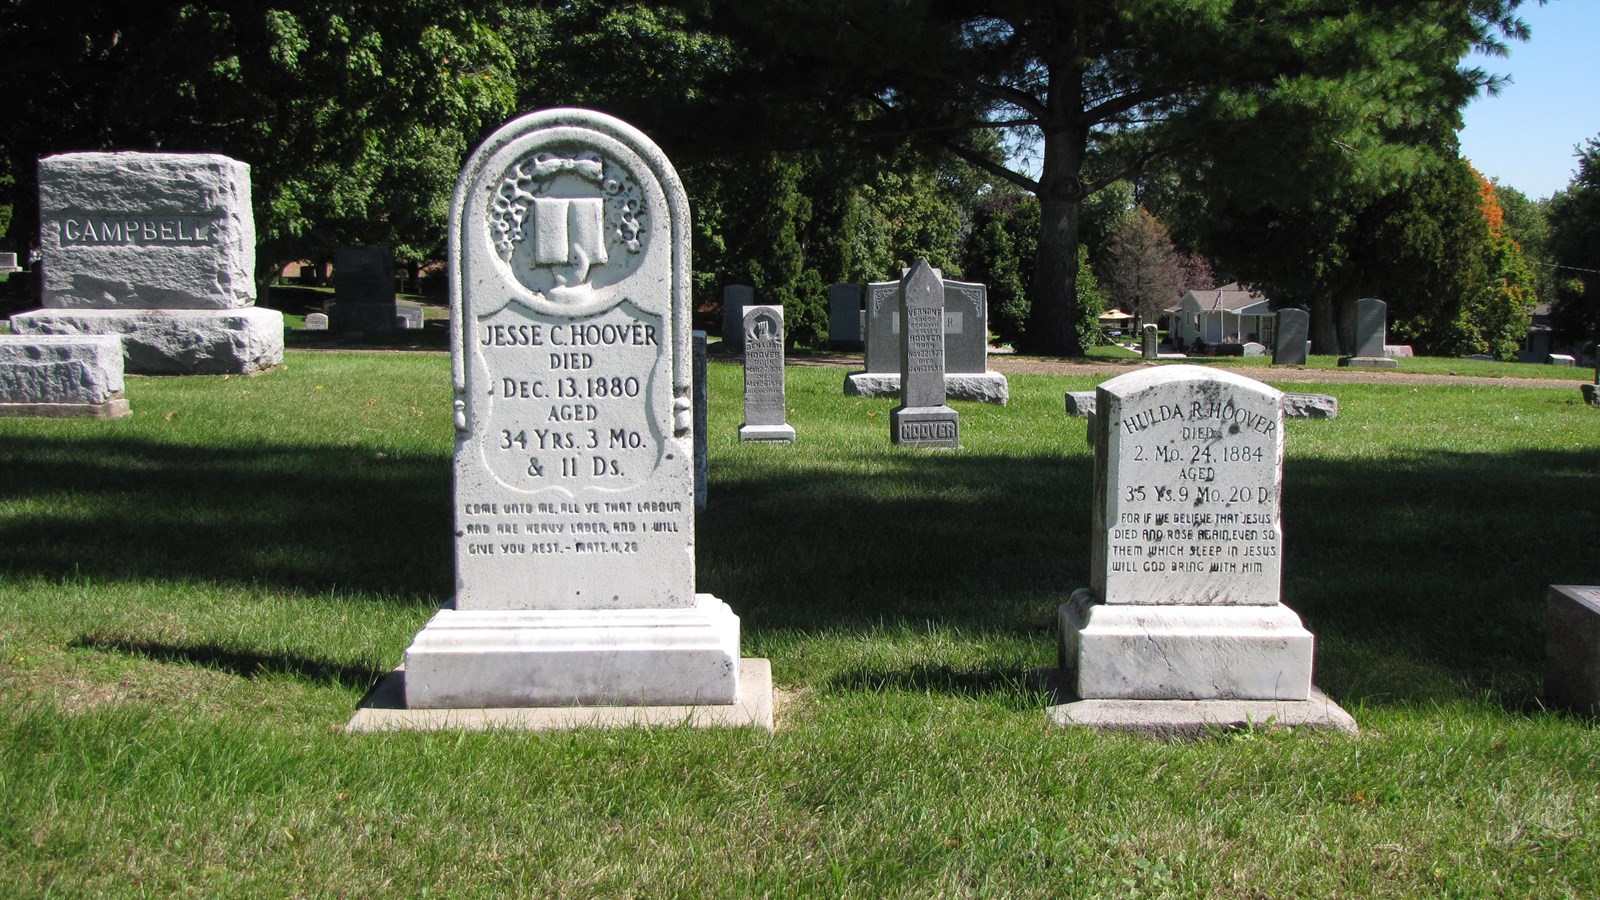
(1368, 321)
(1572, 648)
(62, 377)
(845, 317)
(1291, 347)
(1080, 404)
(1310, 406)
(157, 249)
(1563, 359)
(702, 404)
(1186, 563)
(765, 412)
(988, 387)
(922, 419)
(574, 459)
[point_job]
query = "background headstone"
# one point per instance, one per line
(1294, 326)
(735, 297)
(316, 321)
(1148, 347)
(157, 249)
(363, 290)
(574, 461)
(922, 419)
(966, 332)
(1369, 323)
(765, 413)
(845, 317)
(1186, 562)
(62, 376)
(8, 263)
(702, 403)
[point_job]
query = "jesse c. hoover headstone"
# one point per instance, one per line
(574, 481)
(765, 416)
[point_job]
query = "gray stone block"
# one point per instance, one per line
(59, 376)
(1572, 648)
(990, 387)
(146, 231)
(1310, 406)
(1080, 404)
(174, 341)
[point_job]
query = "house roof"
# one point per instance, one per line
(1230, 297)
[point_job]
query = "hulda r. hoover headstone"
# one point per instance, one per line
(574, 480)
(765, 414)
(1186, 562)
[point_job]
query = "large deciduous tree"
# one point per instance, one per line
(1271, 94)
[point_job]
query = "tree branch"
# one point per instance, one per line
(979, 161)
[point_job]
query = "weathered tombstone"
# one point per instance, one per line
(363, 290)
(1252, 348)
(1310, 406)
(1186, 563)
(1369, 324)
(62, 376)
(1398, 351)
(844, 316)
(922, 419)
(574, 485)
(1080, 404)
(157, 249)
(765, 413)
(8, 263)
(1572, 648)
(316, 321)
(702, 403)
(1294, 325)
(966, 334)
(1148, 347)
(735, 297)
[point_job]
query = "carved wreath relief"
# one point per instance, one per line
(567, 223)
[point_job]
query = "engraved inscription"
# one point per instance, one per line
(93, 230)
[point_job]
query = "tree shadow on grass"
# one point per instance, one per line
(290, 517)
(237, 662)
(1423, 576)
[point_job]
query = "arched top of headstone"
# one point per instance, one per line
(570, 213)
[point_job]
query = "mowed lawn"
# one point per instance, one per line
(194, 600)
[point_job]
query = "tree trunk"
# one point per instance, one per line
(1053, 311)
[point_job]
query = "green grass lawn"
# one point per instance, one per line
(194, 599)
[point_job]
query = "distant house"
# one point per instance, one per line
(1224, 315)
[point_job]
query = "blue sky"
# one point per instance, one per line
(1525, 136)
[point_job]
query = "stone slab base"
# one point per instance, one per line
(1081, 404)
(779, 434)
(1310, 406)
(111, 409)
(1368, 362)
(989, 387)
(62, 375)
(575, 657)
(925, 426)
(1591, 394)
(1169, 719)
(1128, 652)
(1572, 648)
(174, 341)
(384, 709)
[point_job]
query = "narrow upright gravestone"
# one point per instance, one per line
(735, 297)
(1186, 563)
(922, 419)
(574, 462)
(844, 316)
(1294, 325)
(1148, 347)
(1370, 326)
(158, 249)
(702, 403)
(765, 414)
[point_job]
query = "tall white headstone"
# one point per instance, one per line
(765, 410)
(574, 460)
